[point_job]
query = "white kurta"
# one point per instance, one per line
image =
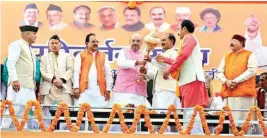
(25, 94)
(15, 97)
(122, 97)
(92, 95)
(164, 90)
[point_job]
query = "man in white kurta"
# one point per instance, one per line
(21, 67)
(164, 90)
(57, 71)
(92, 94)
(94, 87)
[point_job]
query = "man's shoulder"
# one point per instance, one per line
(170, 52)
(228, 53)
(247, 51)
(44, 56)
(82, 52)
(190, 36)
(125, 49)
(16, 42)
(64, 54)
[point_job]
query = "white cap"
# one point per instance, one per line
(106, 7)
(183, 10)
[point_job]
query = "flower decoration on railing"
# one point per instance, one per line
(116, 109)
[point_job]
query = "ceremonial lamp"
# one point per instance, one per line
(151, 40)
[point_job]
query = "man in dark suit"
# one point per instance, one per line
(31, 14)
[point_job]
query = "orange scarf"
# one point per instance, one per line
(87, 60)
(175, 75)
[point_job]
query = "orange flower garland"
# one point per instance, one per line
(116, 109)
(219, 128)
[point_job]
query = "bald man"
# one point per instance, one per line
(127, 89)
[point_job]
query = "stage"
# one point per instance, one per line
(86, 135)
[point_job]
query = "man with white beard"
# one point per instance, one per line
(254, 41)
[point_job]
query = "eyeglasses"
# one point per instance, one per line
(95, 41)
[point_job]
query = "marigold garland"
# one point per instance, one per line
(116, 109)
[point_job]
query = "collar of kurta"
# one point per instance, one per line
(90, 52)
(241, 50)
(186, 36)
(53, 54)
(24, 42)
(168, 50)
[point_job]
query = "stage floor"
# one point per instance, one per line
(86, 135)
